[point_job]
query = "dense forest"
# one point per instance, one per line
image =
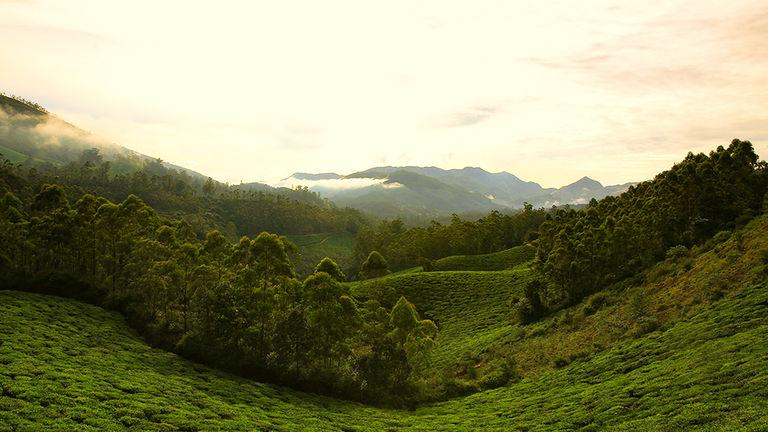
(582, 252)
(238, 306)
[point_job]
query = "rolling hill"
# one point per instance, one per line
(67, 365)
(503, 260)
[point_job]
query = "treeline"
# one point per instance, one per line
(406, 247)
(236, 306)
(581, 252)
(204, 203)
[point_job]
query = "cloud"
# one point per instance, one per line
(332, 184)
(470, 116)
(48, 135)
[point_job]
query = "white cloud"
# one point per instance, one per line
(331, 184)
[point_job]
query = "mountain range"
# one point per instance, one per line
(31, 133)
(391, 191)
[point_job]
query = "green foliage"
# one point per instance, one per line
(585, 251)
(240, 307)
(269, 258)
(470, 308)
(235, 306)
(676, 253)
(50, 198)
(67, 366)
(115, 174)
(407, 246)
(327, 265)
(530, 305)
(374, 266)
(596, 302)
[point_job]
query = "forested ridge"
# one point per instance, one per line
(581, 252)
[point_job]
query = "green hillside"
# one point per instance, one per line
(67, 366)
(315, 247)
(502, 260)
(470, 308)
(480, 346)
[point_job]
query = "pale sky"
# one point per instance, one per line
(253, 91)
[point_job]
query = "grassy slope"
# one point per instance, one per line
(63, 363)
(502, 260)
(67, 365)
(12, 154)
(16, 157)
(469, 307)
(315, 247)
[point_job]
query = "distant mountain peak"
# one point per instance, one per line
(393, 191)
(474, 169)
(585, 182)
(311, 176)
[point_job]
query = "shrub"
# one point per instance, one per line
(327, 265)
(638, 305)
(374, 266)
(521, 310)
(643, 325)
(721, 237)
(458, 387)
(501, 372)
(426, 264)
(494, 379)
(596, 302)
(675, 253)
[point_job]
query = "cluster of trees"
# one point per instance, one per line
(581, 252)
(237, 306)
(408, 247)
(205, 203)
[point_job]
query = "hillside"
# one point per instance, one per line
(68, 365)
(29, 133)
(404, 193)
(413, 191)
(481, 346)
(39, 148)
(469, 307)
(502, 260)
(315, 247)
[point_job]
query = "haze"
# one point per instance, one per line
(253, 91)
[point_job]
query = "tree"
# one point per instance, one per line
(87, 235)
(374, 266)
(185, 232)
(11, 208)
(331, 316)
(414, 335)
(269, 258)
(327, 265)
(51, 197)
(186, 258)
(209, 187)
(528, 307)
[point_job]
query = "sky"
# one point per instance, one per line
(253, 91)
